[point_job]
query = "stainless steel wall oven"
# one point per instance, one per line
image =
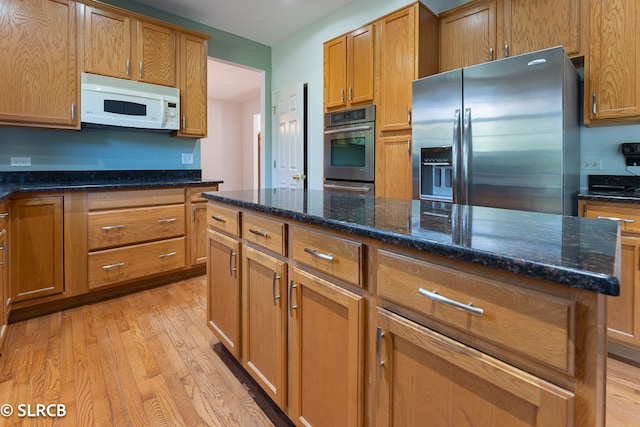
(349, 149)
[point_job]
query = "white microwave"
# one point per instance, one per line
(118, 102)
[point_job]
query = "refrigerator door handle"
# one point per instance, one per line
(466, 146)
(455, 156)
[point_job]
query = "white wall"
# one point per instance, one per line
(249, 171)
(299, 59)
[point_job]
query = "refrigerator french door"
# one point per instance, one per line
(500, 134)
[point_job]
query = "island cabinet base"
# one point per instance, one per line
(347, 329)
(479, 347)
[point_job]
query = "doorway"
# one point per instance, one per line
(231, 151)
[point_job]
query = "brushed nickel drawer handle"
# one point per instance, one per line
(258, 232)
(4, 215)
(326, 257)
(612, 218)
(110, 266)
(218, 218)
(167, 220)
(439, 298)
(112, 227)
(167, 254)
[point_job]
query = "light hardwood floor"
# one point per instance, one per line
(146, 359)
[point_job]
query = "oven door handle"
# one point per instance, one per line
(346, 188)
(351, 129)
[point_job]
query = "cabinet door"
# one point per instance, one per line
(612, 89)
(223, 290)
(335, 73)
(193, 86)
(3, 284)
(156, 54)
(395, 164)
(397, 69)
(264, 325)
(327, 323)
(534, 25)
(38, 66)
(107, 43)
(198, 233)
(623, 310)
(38, 247)
(360, 65)
(422, 375)
(468, 36)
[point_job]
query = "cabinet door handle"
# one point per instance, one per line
(594, 108)
(166, 220)
(258, 232)
(112, 227)
(490, 54)
(439, 298)
(195, 211)
(218, 218)
(73, 112)
(140, 69)
(110, 266)
(292, 307)
(128, 67)
(380, 362)
(276, 277)
(612, 218)
(326, 257)
(4, 215)
(350, 93)
(409, 115)
(232, 254)
(409, 147)
(506, 50)
(167, 254)
(184, 122)
(341, 94)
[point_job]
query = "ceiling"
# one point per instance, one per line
(263, 21)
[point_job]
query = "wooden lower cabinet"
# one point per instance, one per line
(623, 311)
(264, 322)
(423, 375)
(394, 176)
(328, 353)
(37, 248)
(4, 280)
(223, 289)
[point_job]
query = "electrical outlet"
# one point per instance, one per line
(187, 158)
(590, 164)
(20, 161)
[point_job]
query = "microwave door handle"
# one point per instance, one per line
(351, 129)
(162, 111)
(455, 156)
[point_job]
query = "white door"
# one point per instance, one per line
(288, 147)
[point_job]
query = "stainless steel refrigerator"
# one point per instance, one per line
(502, 134)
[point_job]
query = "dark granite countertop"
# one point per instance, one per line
(578, 252)
(600, 196)
(50, 181)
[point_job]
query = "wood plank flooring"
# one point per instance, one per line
(146, 359)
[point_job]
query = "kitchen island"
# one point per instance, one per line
(392, 312)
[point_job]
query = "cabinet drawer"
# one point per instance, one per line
(628, 217)
(133, 262)
(531, 323)
(223, 218)
(135, 198)
(340, 258)
(195, 193)
(126, 226)
(265, 232)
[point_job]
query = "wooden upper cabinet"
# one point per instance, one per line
(192, 82)
(117, 45)
(533, 25)
(468, 35)
(612, 89)
(156, 54)
(408, 51)
(349, 65)
(39, 71)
